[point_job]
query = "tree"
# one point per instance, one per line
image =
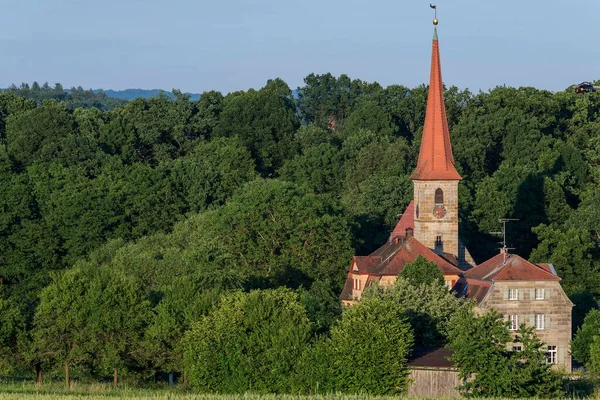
(319, 167)
(90, 318)
(422, 271)
(572, 252)
(583, 339)
(40, 134)
(251, 342)
(369, 347)
(429, 307)
(593, 365)
(60, 320)
(324, 96)
(583, 302)
(264, 120)
(273, 233)
(12, 332)
(489, 368)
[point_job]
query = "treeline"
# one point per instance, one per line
(159, 213)
(74, 98)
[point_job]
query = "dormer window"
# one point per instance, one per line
(439, 196)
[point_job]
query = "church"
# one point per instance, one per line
(525, 293)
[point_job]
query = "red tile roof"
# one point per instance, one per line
(364, 263)
(472, 289)
(390, 259)
(347, 291)
(514, 268)
(406, 221)
(435, 155)
(547, 267)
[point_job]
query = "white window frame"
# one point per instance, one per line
(356, 284)
(551, 355)
(540, 322)
(513, 294)
(513, 322)
(517, 348)
(539, 294)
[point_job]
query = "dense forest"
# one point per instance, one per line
(126, 225)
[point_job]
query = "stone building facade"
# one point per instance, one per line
(524, 293)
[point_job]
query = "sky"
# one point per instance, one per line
(229, 45)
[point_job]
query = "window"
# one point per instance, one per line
(513, 322)
(439, 196)
(409, 232)
(517, 348)
(356, 284)
(551, 355)
(513, 294)
(539, 322)
(539, 294)
(438, 245)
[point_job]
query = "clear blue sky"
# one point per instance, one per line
(227, 45)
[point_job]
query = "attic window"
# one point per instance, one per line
(439, 196)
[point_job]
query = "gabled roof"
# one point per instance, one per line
(435, 155)
(439, 358)
(406, 221)
(347, 291)
(472, 289)
(511, 268)
(390, 259)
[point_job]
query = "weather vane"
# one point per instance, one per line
(435, 20)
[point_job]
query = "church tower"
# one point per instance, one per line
(436, 179)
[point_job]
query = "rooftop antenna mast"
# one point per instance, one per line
(504, 249)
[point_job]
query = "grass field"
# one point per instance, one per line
(56, 391)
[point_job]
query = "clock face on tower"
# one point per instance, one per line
(439, 211)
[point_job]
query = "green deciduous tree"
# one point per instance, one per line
(428, 305)
(273, 233)
(489, 368)
(422, 271)
(91, 318)
(571, 251)
(12, 334)
(251, 342)
(593, 365)
(369, 348)
(580, 345)
(264, 120)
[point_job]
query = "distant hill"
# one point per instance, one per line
(130, 94)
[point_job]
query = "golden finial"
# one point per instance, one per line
(435, 20)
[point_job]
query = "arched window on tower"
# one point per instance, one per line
(439, 196)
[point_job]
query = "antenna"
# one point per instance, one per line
(503, 233)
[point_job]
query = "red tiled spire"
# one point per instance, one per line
(435, 156)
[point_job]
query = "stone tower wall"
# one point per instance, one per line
(427, 226)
